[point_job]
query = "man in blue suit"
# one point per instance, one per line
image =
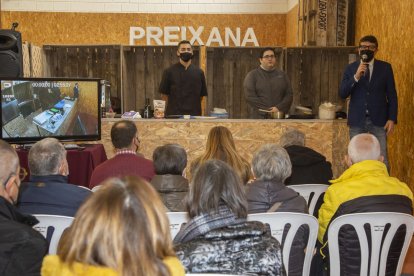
(373, 104)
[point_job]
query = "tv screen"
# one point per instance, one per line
(34, 108)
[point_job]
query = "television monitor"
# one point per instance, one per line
(63, 108)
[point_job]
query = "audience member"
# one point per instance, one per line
(217, 238)
(169, 162)
(271, 167)
(21, 247)
(48, 191)
(124, 137)
(364, 187)
(308, 165)
(121, 230)
(220, 145)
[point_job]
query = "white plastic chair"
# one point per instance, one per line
(176, 220)
(380, 240)
(52, 227)
(94, 189)
(311, 193)
(278, 221)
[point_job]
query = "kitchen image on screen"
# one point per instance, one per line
(39, 108)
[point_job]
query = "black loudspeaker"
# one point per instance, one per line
(11, 54)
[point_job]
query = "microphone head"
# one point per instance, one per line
(364, 57)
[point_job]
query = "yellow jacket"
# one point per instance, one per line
(365, 178)
(53, 266)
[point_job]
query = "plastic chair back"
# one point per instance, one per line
(374, 252)
(52, 227)
(311, 193)
(176, 220)
(94, 189)
(278, 221)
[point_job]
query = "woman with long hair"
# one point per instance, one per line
(220, 145)
(121, 230)
(218, 238)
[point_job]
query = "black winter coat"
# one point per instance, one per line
(21, 247)
(308, 166)
(244, 248)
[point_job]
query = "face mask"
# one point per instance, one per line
(366, 55)
(186, 56)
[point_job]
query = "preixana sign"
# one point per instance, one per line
(171, 35)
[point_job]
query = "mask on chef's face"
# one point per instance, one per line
(186, 56)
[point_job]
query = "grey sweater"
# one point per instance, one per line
(264, 89)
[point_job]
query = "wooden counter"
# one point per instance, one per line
(329, 137)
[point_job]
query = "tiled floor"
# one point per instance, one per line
(408, 267)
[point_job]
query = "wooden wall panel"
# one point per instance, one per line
(230, 66)
(26, 59)
(329, 137)
(36, 61)
(112, 28)
(315, 74)
(391, 22)
(92, 61)
(142, 72)
(292, 30)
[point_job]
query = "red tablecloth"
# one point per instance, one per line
(81, 162)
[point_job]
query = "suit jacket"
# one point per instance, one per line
(378, 95)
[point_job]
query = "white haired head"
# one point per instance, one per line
(362, 147)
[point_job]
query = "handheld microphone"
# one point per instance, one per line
(364, 58)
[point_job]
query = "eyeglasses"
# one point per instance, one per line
(366, 47)
(269, 56)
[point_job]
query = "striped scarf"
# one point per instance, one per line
(204, 223)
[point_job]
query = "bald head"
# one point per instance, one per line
(364, 147)
(9, 161)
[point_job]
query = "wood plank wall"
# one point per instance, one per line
(142, 72)
(316, 74)
(226, 70)
(94, 61)
(326, 22)
(135, 72)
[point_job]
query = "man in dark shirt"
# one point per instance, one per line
(183, 85)
(267, 87)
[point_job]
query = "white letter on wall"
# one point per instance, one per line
(228, 34)
(135, 33)
(169, 37)
(250, 37)
(154, 33)
(214, 37)
(196, 35)
(183, 33)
